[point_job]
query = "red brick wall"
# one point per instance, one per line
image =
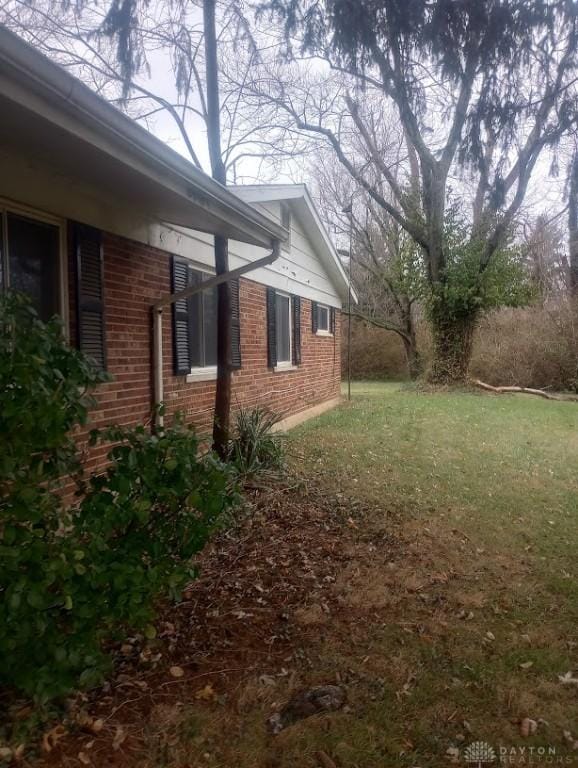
(135, 276)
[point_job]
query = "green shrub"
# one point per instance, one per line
(255, 449)
(71, 579)
(43, 385)
(153, 509)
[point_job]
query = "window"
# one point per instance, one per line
(286, 223)
(30, 260)
(203, 324)
(195, 324)
(323, 319)
(283, 330)
(283, 325)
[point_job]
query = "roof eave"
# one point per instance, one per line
(23, 70)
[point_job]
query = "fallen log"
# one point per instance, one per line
(519, 390)
(514, 390)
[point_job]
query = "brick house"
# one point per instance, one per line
(100, 221)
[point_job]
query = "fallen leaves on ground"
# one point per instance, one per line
(258, 581)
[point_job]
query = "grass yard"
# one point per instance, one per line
(473, 614)
(502, 468)
(428, 564)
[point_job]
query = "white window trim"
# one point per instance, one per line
(321, 331)
(206, 373)
(10, 206)
(286, 365)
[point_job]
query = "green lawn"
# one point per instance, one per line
(480, 494)
(505, 468)
(432, 539)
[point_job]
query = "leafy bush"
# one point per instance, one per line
(255, 449)
(73, 578)
(468, 288)
(154, 508)
(43, 385)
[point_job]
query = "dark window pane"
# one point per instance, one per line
(196, 322)
(322, 318)
(283, 329)
(203, 329)
(2, 254)
(33, 262)
(210, 324)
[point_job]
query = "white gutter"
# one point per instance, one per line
(167, 301)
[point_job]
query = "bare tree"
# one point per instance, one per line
(222, 410)
(165, 88)
(573, 225)
(387, 267)
(545, 256)
(481, 86)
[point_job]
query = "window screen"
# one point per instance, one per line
(203, 309)
(210, 324)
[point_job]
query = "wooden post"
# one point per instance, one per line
(349, 210)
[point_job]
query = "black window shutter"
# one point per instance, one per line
(271, 328)
(235, 325)
(314, 317)
(296, 309)
(91, 333)
(181, 329)
(332, 319)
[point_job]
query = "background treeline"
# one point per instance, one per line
(532, 346)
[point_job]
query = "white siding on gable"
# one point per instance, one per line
(298, 271)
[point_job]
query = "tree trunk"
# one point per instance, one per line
(573, 226)
(222, 415)
(221, 419)
(434, 199)
(452, 348)
(413, 358)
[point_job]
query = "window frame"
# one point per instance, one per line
(323, 331)
(287, 213)
(10, 206)
(285, 365)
